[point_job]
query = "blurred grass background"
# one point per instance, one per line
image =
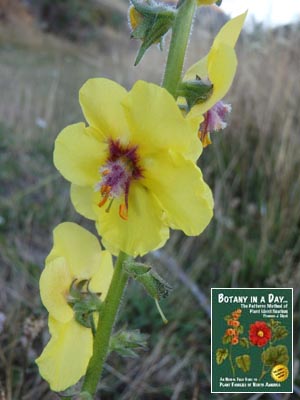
(48, 49)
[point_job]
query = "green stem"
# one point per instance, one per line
(180, 36)
(105, 325)
(231, 362)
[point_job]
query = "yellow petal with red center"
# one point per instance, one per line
(179, 187)
(82, 198)
(221, 65)
(55, 283)
(65, 358)
(101, 279)
(157, 123)
(143, 231)
(78, 155)
(80, 248)
(100, 100)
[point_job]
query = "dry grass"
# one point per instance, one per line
(253, 241)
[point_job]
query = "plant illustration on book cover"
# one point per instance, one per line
(260, 334)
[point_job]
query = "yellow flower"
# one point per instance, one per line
(76, 256)
(133, 169)
(218, 67)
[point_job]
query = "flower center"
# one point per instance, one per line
(120, 169)
(260, 333)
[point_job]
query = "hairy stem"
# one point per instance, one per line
(180, 36)
(105, 325)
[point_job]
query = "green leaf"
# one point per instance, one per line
(126, 343)
(243, 362)
(240, 329)
(279, 331)
(275, 355)
(244, 342)
(221, 355)
(226, 339)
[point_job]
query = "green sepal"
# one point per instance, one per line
(84, 303)
(150, 9)
(75, 291)
(153, 283)
(157, 20)
(219, 2)
(126, 343)
(194, 91)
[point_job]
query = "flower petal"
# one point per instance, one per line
(65, 358)
(100, 100)
(222, 63)
(157, 123)
(199, 68)
(228, 35)
(80, 248)
(230, 32)
(78, 155)
(55, 283)
(82, 198)
(142, 232)
(219, 65)
(100, 281)
(179, 186)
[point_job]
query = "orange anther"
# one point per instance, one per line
(123, 212)
(103, 201)
(105, 190)
(105, 172)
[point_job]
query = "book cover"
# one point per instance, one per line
(252, 340)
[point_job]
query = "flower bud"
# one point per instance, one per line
(149, 22)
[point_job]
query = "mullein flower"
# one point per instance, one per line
(76, 257)
(218, 67)
(133, 169)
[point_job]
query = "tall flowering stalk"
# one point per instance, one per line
(133, 170)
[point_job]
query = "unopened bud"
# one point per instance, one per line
(149, 22)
